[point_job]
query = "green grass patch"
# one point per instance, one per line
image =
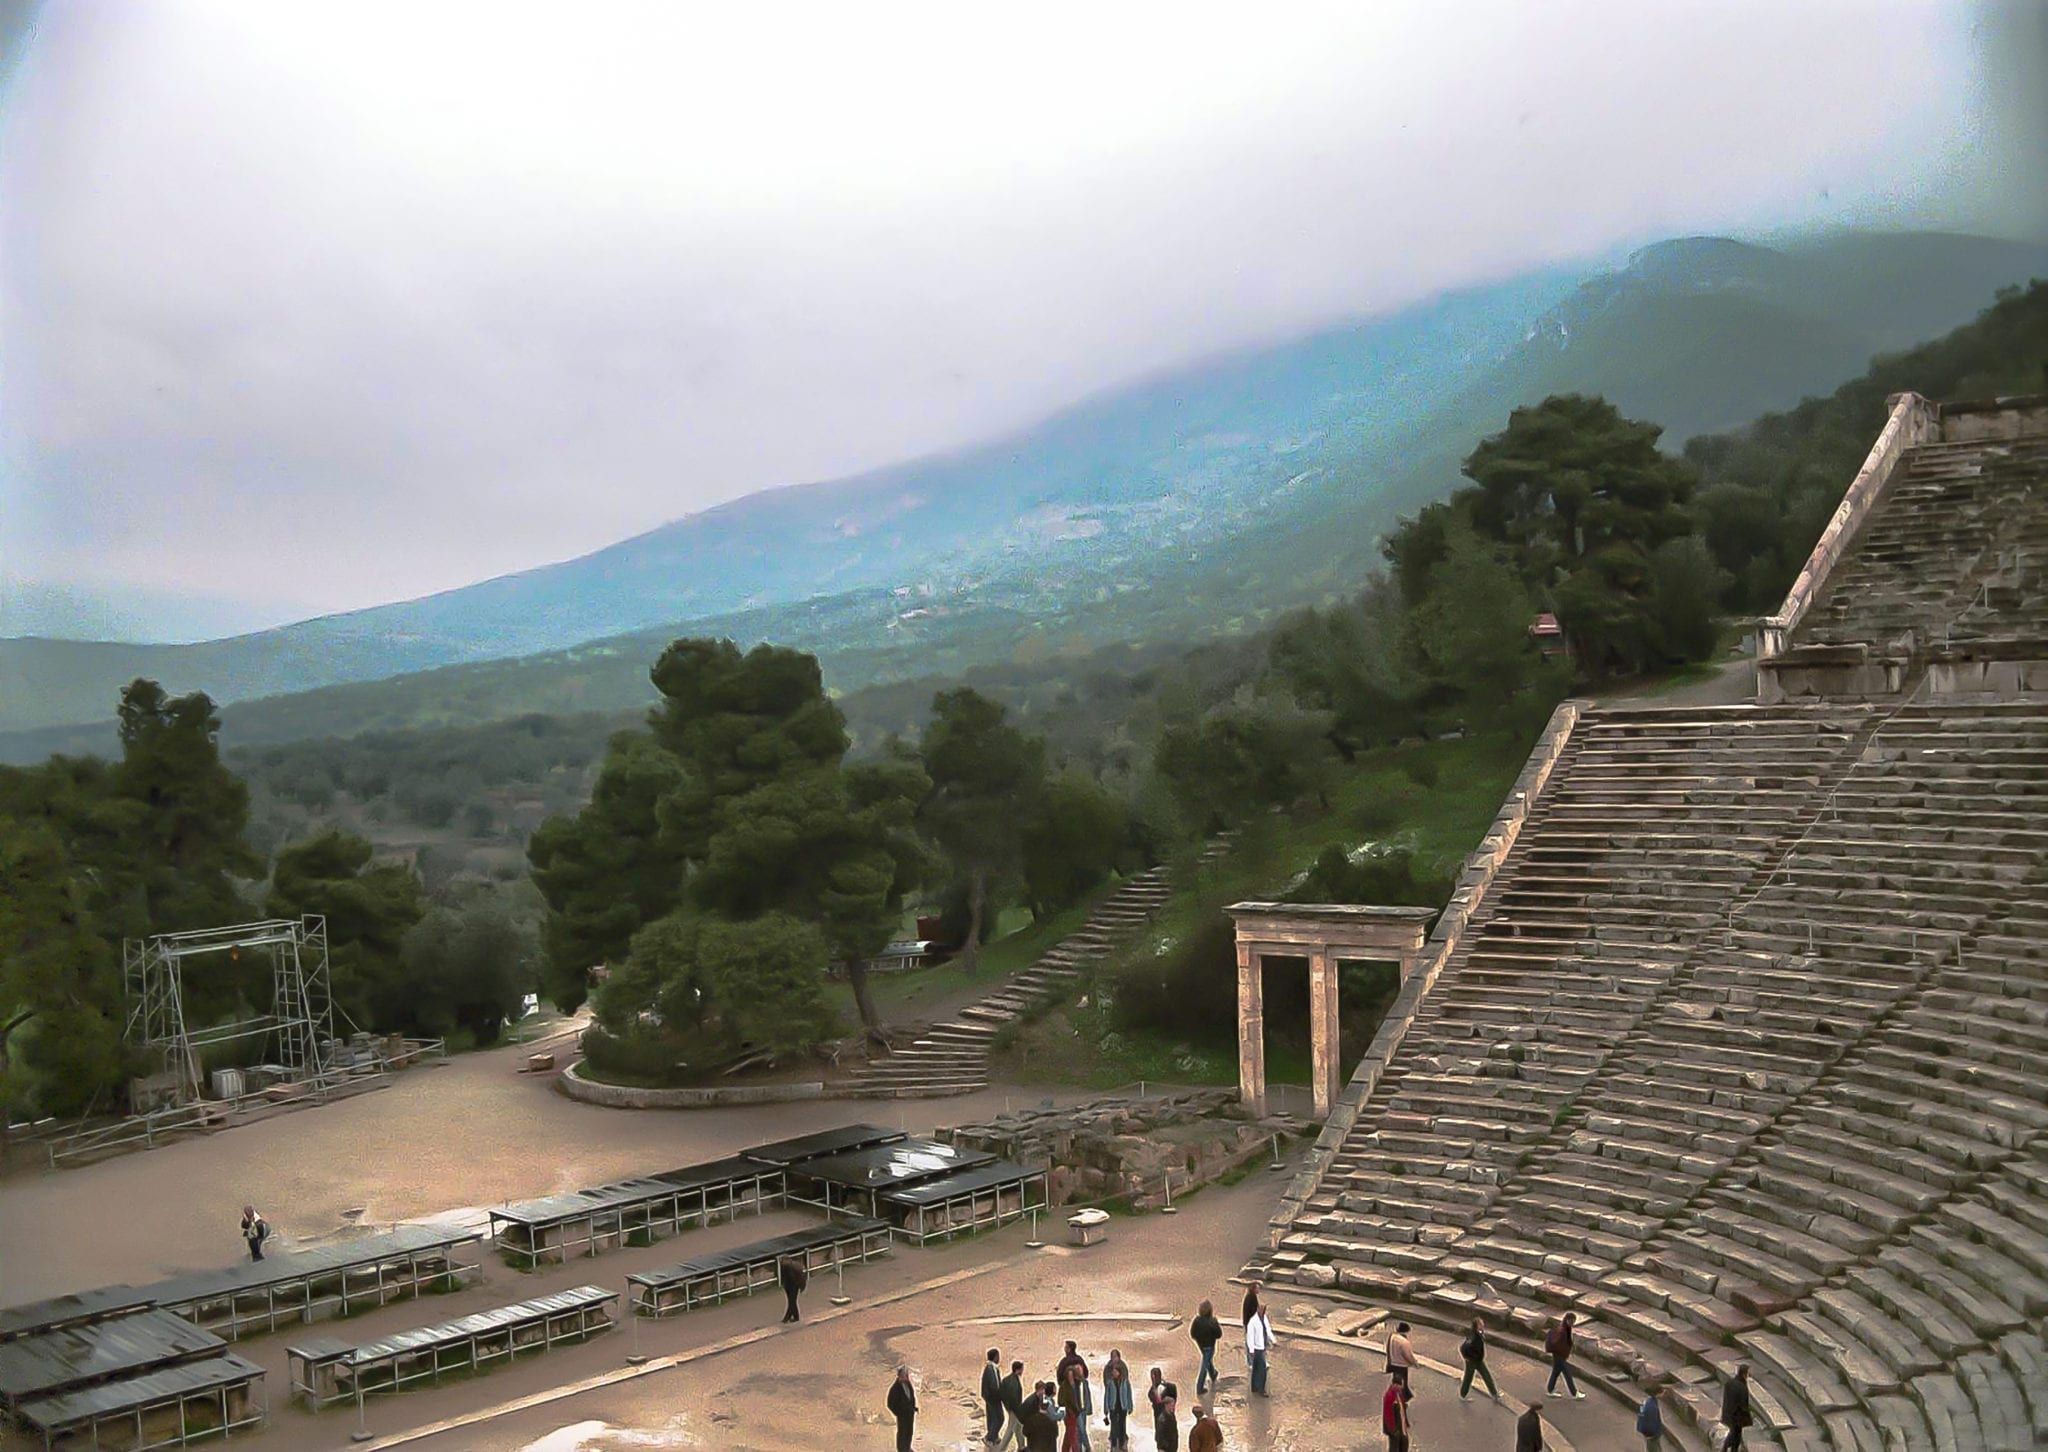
(1435, 799)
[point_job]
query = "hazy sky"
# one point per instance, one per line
(308, 306)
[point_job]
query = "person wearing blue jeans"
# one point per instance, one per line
(1206, 1332)
(1258, 1341)
(1559, 1344)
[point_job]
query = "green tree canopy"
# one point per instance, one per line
(469, 968)
(1077, 834)
(369, 909)
(985, 779)
(735, 807)
(609, 870)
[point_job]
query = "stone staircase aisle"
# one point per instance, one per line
(952, 1057)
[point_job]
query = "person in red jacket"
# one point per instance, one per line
(1394, 1415)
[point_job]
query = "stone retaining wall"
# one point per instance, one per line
(1122, 1147)
(619, 1096)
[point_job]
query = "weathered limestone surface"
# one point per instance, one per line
(1122, 1147)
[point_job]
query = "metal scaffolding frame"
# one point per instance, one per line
(301, 1017)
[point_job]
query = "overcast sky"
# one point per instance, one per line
(308, 306)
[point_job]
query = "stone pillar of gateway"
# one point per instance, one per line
(1325, 934)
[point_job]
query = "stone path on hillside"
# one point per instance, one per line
(952, 1056)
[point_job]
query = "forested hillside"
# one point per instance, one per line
(1762, 495)
(1205, 502)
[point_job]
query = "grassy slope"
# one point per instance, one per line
(1378, 800)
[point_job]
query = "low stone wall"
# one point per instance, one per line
(1122, 1147)
(1967, 421)
(619, 1096)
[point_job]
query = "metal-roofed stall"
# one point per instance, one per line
(788, 1152)
(852, 1183)
(32, 1318)
(979, 1198)
(331, 1370)
(726, 1187)
(168, 1407)
(69, 1357)
(748, 1268)
(256, 1296)
(586, 1222)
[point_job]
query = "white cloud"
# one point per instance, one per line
(333, 303)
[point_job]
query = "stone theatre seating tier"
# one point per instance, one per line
(1742, 1058)
(1958, 550)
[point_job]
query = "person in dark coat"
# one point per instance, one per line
(1251, 1300)
(1473, 1350)
(1735, 1410)
(794, 1278)
(1164, 1397)
(1529, 1430)
(1011, 1391)
(992, 1394)
(1041, 1426)
(1072, 1359)
(1205, 1331)
(903, 1407)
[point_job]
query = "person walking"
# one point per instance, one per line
(1559, 1345)
(1401, 1359)
(1205, 1435)
(794, 1277)
(1735, 1410)
(903, 1407)
(1117, 1399)
(1251, 1299)
(1011, 1392)
(1258, 1345)
(1529, 1429)
(255, 1230)
(1205, 1332)
(1164, 1397)
(1473, 1349)
(992, 1394)
(1650, 1422)
(1394, 1415)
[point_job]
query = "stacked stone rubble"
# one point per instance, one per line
(1121, 1148)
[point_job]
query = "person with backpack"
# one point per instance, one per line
(794, 1277)
(1165, 1399)
(1401, 1360)
(1650, 1422)
(255, 1230)
(1735, 1409)
(1473, 1350)
(1205, 1331)
(1558, 1344)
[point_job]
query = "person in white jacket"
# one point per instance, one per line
(1258, 1343)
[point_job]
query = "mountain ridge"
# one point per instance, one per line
(1284, 461)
